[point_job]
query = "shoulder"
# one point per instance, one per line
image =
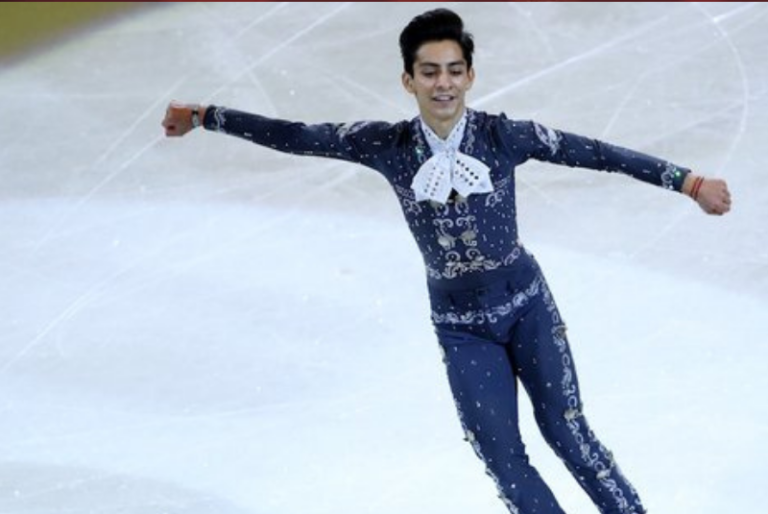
(499, 123)
(522, 130)
(380, 131)
(501, 127)
(519, 137)
(502, 121)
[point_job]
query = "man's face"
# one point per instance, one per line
(440, 81)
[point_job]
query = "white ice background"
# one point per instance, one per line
(205, 326)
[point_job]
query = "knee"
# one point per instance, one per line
(571, 438)
(565, 431)
(554, 423)
(503, 460)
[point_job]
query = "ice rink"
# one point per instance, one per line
(201, 325)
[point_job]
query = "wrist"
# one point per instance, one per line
(197, 115)
(692, 186)
(196, 118)
(688, 184)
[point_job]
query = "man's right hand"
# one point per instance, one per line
(178, 118)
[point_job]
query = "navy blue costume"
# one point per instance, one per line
(493, 313)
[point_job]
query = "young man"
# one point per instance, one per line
(452, 169)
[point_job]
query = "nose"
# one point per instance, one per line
(443, 80)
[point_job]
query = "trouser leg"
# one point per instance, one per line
(543, 362)
(484, 388)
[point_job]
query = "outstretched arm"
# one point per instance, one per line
(711, 194)
(363, 142)
(545, 144)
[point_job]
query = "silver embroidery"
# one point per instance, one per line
(408, 200)
(549, 137)
(585, 442)
(499, 192)
(444, 238)
(469, 146)
(668, 176)
(461, 255)
(344, 129)
(219, 119)
(456, 266)
(420, 145)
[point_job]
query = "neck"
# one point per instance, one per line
(443, 128)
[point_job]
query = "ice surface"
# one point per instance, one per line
(201, 325)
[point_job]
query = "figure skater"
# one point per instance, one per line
(453, 171)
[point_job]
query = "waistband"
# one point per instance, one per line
(471, 281)
(520, 272)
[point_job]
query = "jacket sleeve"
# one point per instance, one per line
(360, 142)
(529, 140)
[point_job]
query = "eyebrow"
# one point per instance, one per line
(437, 65)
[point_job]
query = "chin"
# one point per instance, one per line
(447, 115)
(445, 111)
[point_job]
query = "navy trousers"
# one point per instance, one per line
(496, 330)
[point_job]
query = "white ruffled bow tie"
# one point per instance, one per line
(449, 169)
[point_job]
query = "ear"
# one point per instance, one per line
(408, 82)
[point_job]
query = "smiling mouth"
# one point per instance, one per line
(443, 98)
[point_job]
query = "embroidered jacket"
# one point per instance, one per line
(466, 235)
